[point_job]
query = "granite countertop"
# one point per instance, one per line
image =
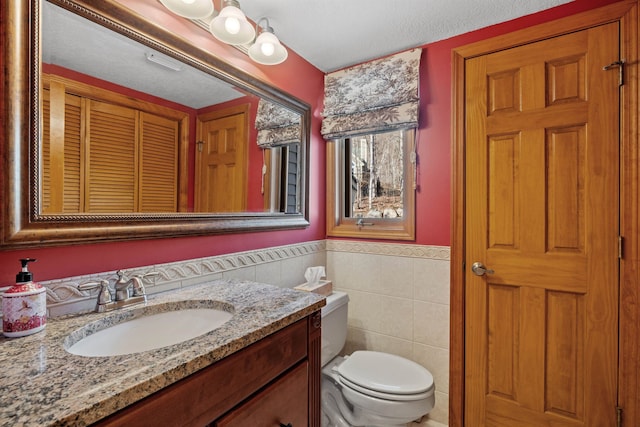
(41, 384)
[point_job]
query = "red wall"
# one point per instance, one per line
(304, 81)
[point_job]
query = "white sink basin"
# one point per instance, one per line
(150, 332)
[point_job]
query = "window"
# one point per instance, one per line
(369, 118)
(371, 186)
(282, 190)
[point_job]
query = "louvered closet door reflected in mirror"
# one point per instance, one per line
(102, 157)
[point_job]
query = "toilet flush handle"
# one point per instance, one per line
(479, 269)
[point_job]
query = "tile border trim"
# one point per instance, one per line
(391, 249)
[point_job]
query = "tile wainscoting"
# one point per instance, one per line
(399, 303)
(399, 294)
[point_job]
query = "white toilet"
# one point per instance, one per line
(367, 388)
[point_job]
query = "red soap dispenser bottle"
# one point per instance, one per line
(24, 305)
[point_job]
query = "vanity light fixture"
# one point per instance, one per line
(267, 48)
(192, 9)
(232, 27)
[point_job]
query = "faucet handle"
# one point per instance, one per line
(121, 277)
(138, 283)
(149, 275)
(138, 286)
(104, 296)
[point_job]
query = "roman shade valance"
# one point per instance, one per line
(276, 125)
(376, 96)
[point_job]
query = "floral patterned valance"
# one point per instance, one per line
(372, 97)
(276, 125)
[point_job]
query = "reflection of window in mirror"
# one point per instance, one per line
(281, 191)
(371, 186)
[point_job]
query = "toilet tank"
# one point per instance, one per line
(334, 325)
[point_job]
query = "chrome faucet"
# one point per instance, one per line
(131, 288)
(122, 286)
(128, 291)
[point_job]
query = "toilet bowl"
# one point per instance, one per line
(368, 388)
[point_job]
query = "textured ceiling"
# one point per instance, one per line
(330, 34)
(78, 44)
(333, 34)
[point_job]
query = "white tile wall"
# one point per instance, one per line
(399, 303)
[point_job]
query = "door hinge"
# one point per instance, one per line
(620, 242)
(620, 66)
(618, 416)
(199, 144)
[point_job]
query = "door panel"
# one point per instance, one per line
(542, 212)
(221, 163)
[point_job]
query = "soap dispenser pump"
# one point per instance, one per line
(24, 305)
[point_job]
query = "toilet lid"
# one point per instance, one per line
(385, 373)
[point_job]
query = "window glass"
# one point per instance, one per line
(370, 186)
(377, 178)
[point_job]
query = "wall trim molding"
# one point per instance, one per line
(390, 249)
(218, 264)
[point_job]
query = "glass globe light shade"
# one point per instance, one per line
(232, 27)
(191, 9)
(268, 50)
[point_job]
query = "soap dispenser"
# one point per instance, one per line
(24, 305)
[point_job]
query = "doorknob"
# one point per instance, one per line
(479, 269)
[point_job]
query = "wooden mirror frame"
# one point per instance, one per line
(23, 225)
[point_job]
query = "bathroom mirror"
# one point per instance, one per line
(27, 190)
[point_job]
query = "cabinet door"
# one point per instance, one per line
(283, 403)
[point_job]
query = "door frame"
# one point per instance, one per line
(626, 13)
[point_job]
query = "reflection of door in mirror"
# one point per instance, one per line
(221, 160)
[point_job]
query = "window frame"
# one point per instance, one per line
(376, 228)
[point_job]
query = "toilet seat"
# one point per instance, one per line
(384, 396)
(385, 376)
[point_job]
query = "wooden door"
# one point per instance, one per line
(542, 212)
(221, 162)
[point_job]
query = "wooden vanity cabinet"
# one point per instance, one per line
(282, 403)
(271, 382)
